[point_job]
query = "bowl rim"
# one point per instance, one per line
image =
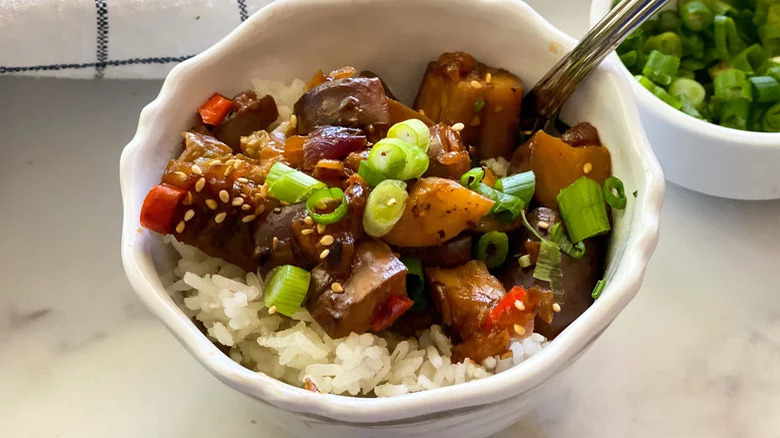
(711, 131)
(420, 406)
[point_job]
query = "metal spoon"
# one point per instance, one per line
(540, 107)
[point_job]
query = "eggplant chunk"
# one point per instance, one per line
(581, 134)
(370, 74)
(449, 157)
(349, 102)
(579, 276)
(456, 89)
(252, 114)
(449, 254)
(376, 275)
(274, 241)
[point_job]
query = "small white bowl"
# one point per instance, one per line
(396, 39)
(702, 156)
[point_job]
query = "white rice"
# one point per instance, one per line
(498, 165)
(229, 303)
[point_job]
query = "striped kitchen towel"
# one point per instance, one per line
(111, 38)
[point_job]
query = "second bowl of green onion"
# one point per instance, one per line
(707, 79)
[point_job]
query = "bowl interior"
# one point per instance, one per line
(395, 39)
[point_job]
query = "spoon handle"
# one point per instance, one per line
(549, 94)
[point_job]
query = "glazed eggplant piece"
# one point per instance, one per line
(370, 74)
(348, 102)
(376, 282)
(251, 114)
(274, 242)
(449, 254)
(449, 157)
(331, 142)
(456, 89)
(581, 134)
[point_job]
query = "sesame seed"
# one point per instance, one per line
(336, 287)
(272, 310)
(214, 162)
(587, 167)
(277, 210)
(391, 202)
(228, 170)
(324, 253)
(212, 204)
(180, 227)
(263, 190)
(543, 225)
(321, 205)
(307, 231)
(200, 184)
(284, 203)
(179, 174)
(224, 196)
(326, 240)
(196, 169)
(556, 307)
(248, 218)
(519, 304)
(246, 207)
(188, 199)
(421, 111)
(274, 243)
(458, 127)
(237, 201)
(260, 209)
(220, 217)
(488, 77)
(241, 179)
(189, 214)
(308, 220)
(519, 329)
(475, 121)
(476, 84)
(293, 121)
(320, 228)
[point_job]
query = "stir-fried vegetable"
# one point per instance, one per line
(289, 185)
(615, 193)
(521, 185)
(548, 267)
(558, 236)
(384, 207)
(215, 109)
(160, 206)
(319, 199)
(412, 131)
(582, 207)
(492, 248)
(285, 288)
(598, 289)
(396, 159)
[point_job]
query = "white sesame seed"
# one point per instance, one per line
(180, 227)
(248, 218)
(556, 307)
(458, 127)
(476, 84)
(213, 162)
(307, 231)
(308, 220)
(519, 304)
(324, 253)
(260, 209)
(212, 204)
(274, 242)
(224, 196)
(284, 203)
(228, 170)
(391, 202)
(189, 214)
(543, 225)
(326, 240)
(179, 174)
(237, 201)
(586, 168)
(277, 210)
(196, 169)
(519, 329)
(246, 207)
(200, 184)
(488, 77)
(321, 205)
(272, 310)
(241, 179)
(421, 111)
(188, 199)
(293, 121)
(220, 217)
(320, 228)
(336, 287)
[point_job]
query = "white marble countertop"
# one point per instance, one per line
(696, 354)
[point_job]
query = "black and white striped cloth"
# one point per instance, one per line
(111, 38)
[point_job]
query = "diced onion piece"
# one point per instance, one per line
(290, 185)
(521, 185)
(618, 201)
(582, 206)
(548, 268)
(492, 248)
(324, 195)
(384, 207)
(412, 131)
(285, 289)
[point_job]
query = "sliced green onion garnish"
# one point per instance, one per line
(472, 178)
(732, 85)
(582, 206)
(492, 249)
(661, 68)
(598, 289)
(765, 89)
(323, 196)
(659, 92)
(668, 43)
(616, 199)
(415, 283)
(384, 207)
(412, 131)
(416, 161)
(558, 236)
(771, 120)
(506, 207)
(735, 113)
(521, 185)
(524, 261)
(290, 185)
(548, 268)
(688, 87)
(751, 59)
(478, 105)
(388, 157)
(369, 174)
(285, 288)
(636, 193)
(695, 15)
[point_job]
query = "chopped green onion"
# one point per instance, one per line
(415, 283)
(636, 193)
(384, 207)
(668, 43)
(695, 15)
(598, 289)
(478, 105)
(659, 92)
(387, 157)
(412, 131)
(735, 113)
(615, 193)
(506, 207)
(721, 43)
(765, 89)
(548, 268)
(688, 87)
(732, 85)
(521, 185)
(629, 58)
(558, 236)
(524, 261)
(290, 185)
(492, 248)
(771, 119)
(285, 288)
(582, 206)
(661, 68)
(688, 107)
(369, 174)
(769, 34)
(719, 7)
(668, 21)
(750, 60)
(692, 45)
(325, 195)
(472, 178)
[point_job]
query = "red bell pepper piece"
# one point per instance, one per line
(215, 109)
(160, 206)
(506, 305)
(392, 309)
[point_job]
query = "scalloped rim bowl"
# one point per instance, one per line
(292, 38)
(703, 156)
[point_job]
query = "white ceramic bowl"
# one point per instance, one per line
(702, 156)
(395, 38)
